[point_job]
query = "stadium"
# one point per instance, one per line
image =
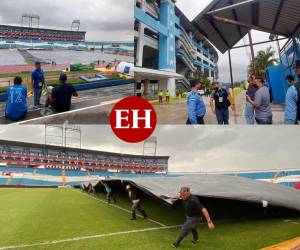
(94, 68)
(53, 198)
(36, 38)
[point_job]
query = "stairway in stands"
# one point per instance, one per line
(64, 180)
(9, 180)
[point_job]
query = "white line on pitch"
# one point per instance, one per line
(88, 237)
(121, 208)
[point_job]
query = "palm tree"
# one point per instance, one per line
(263, 60)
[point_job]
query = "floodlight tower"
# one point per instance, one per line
(35, 21)
(31, 20)
(54, 135)
(63, 135)
(75, 26)
(150, 146)
(72, 135)
(26, 19)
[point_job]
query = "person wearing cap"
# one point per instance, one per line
(196, 106)
(193, 209)
(136, 202)
(291, 99)
(37, 82)
(109, 193)
(16, 106)
(220, 103)
(61, 95)
(249, 109)
(261, 103)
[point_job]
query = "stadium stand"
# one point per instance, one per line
(50, 160)
(19, 32)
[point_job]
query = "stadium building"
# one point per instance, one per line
(168, 47)
(36, 159)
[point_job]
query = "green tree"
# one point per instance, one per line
(263, 60)
(206, 83)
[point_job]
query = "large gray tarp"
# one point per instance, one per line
(221, 186)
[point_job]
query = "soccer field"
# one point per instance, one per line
(69, 219)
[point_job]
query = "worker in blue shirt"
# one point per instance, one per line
(16, 106)
(196, 106)
(37, 81)
(291, 99)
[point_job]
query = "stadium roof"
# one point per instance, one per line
(60, 148)
(279, 17)
(221, 186)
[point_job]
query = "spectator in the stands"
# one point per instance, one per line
(61, 96)
(16, 106)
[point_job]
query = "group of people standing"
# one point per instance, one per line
(258, 107)
(219, 103)
(59, 97)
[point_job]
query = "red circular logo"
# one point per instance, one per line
(133, 119)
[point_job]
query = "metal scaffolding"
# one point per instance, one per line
(63, 135)
(150, 147)
(75, 26)
(32, 21)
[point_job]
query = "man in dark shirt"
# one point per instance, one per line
(193, 210)
(61, 95)
(136, 202)
(220, 103)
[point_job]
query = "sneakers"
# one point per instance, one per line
(133, 218)
(194, 242)
(175, 245)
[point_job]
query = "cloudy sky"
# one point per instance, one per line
(240, 57)
(194, 149)
(103, 19)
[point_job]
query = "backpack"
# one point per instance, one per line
(298, 102)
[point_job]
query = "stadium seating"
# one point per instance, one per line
(16, 32)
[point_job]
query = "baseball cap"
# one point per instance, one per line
(63, 77)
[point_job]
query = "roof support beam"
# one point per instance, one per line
(246, 25)
(255, 13)
(233, 6)
(211, 21)
(295, 30)
(236, 18)
(277, 14)
(264, 42)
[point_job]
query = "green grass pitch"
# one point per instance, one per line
(69, 219)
